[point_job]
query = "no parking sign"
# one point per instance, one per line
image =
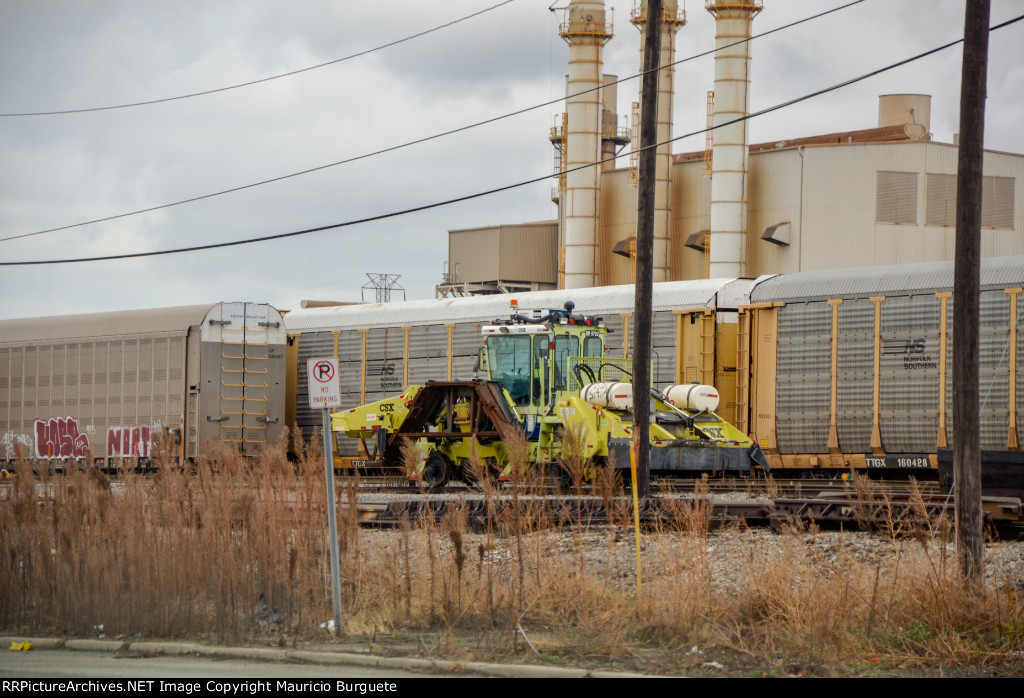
(324, 384)
(324, 393)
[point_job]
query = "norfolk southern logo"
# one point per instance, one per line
(386, 371)
(913, 352)
(385, 368)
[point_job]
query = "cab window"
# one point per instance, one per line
(592, 347)
(509, 360)
(565, 346)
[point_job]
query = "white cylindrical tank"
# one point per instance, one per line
(671, 21)
(586, 33)
(615, 396)
(729, 154)
(692, 396)
(913, 112)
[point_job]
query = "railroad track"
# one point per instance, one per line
(774, 488)
(380, 502)
(891, 509)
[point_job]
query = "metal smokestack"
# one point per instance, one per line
(733, 20)
(586, 33)
(672, 19)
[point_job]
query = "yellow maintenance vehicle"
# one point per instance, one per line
(548, 384)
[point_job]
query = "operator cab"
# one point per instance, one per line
(529, 355)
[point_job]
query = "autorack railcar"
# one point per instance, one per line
(852, 369)
(103, 386)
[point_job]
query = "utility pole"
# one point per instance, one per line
(642, 303)
(966, 273)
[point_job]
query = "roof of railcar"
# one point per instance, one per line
(174, 320)
(894, 280)
(674, 295)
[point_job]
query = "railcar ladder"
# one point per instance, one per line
(192, 436)
(244, 385)
(707, 348)
(742, 370)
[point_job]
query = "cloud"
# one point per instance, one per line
(57, 54)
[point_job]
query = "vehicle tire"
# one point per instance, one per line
(435, 471)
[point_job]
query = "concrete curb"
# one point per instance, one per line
(96, 645)
(40, 643)
(434, 666)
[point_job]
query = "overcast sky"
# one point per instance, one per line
(65, 169)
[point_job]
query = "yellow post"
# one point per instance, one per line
(876, 426)
(362, 376)
(833, 420)
(1012, 442)
(636, 515)
(942, 440)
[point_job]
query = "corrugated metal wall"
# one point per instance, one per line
(691, 214)
(99, 384)
(663, 352)
(528, 252)
(472, 252)
(993, 370)
(524, 252)
(312, 345)
(855, 375)
(773, 195)
(618, 222)
(909, 374)
(804, 377)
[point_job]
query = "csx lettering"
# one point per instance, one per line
(387, 407)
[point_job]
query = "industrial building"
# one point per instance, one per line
(885, 194)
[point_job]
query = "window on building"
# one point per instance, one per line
(897, 197)
(941, 206)
(996, 201)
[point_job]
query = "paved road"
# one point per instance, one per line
(87, 659)
(80, 664)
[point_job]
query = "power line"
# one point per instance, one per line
(413, 142)
(272, 77)
(508, 187)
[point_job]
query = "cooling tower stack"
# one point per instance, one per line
(586, 32)
(733, 21)
(672, 20)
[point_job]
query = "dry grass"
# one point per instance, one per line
(235, 550)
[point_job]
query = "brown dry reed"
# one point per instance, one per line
(235, 550)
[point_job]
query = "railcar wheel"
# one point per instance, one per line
(435, 471)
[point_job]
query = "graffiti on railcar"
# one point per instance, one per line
(60, 437)
(15, 444)
(129, 442)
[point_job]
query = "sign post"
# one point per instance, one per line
(325, 393)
